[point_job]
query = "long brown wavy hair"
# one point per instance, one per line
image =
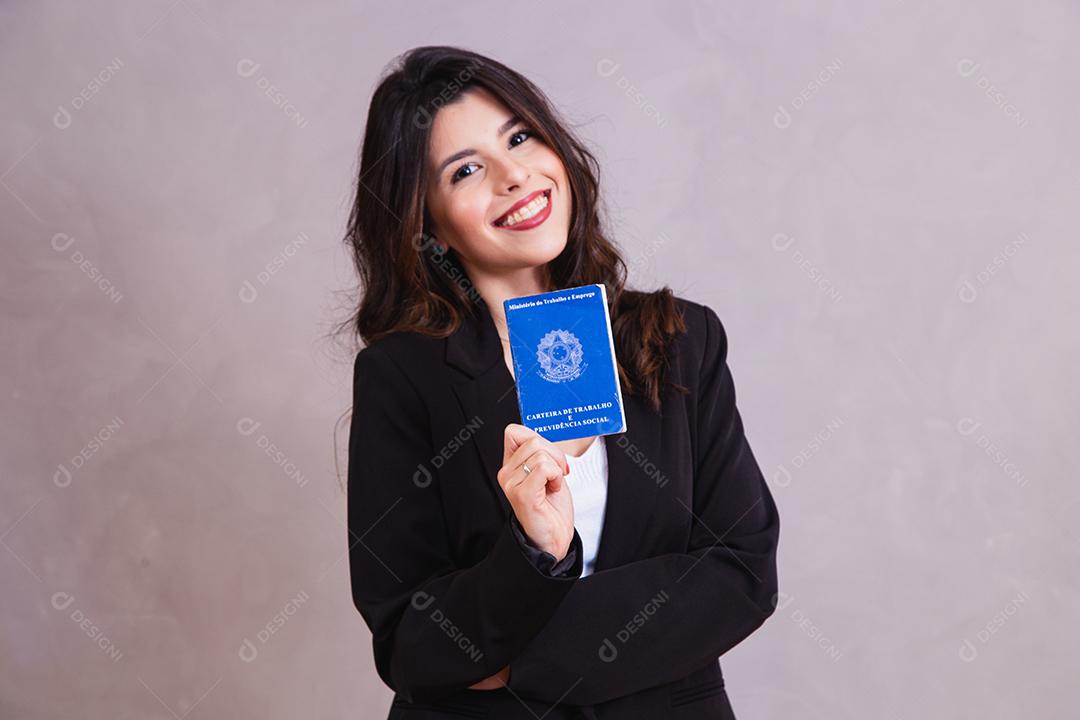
(409, 282)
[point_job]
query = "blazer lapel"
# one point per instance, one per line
(633, 459)
(488, 392)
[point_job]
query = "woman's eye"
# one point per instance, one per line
(458, 176)
(527, 133)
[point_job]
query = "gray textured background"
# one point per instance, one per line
(879, 200)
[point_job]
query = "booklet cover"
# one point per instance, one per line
(564, 363)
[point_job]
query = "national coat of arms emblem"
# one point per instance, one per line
(560, 356)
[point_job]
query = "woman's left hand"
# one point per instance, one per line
(494, 682)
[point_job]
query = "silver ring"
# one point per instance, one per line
(526, 466)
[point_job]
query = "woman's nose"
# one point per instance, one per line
(512, 174)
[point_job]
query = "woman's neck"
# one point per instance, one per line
(496, 289)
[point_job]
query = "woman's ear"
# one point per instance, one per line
(429, 223)
(429, 241)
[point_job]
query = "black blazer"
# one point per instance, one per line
(686, 567)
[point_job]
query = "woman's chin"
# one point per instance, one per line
(539, 245)
(545, 254)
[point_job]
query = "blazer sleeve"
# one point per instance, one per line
(542, 559)
(656, 620)
(436, 627)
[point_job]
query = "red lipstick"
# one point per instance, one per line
(532, 222)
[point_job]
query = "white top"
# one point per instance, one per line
(588, 486)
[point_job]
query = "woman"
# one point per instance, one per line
(483, 595)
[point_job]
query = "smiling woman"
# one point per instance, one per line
(488, 591)
(456, 145)
(500, 198)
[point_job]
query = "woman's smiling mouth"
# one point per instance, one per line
(529, 212)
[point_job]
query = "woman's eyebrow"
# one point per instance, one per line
(503, 129)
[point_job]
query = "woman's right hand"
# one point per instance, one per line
(540, 498)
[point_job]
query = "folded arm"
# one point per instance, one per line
(436, 628)
(656, 620)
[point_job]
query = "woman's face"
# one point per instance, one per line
(482, 162)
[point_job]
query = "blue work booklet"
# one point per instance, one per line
(564, 363)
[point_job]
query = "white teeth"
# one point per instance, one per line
(526, 212)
